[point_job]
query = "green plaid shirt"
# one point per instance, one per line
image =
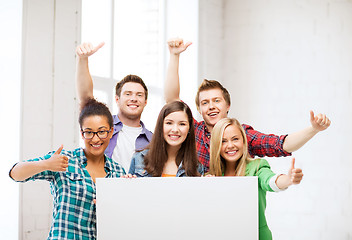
(74, 212)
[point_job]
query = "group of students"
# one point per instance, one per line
(121, 146)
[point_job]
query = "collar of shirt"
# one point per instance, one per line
(206, 132)
(82, 159)
(118, 126)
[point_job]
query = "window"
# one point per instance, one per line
(134, 44)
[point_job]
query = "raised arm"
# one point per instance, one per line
(24, 170)
(296, 140)
(172, 83)
(84, 81)
(294, 176)
(270, 145)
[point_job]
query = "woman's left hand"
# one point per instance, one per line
(295, 174)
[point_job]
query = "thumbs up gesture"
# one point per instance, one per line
(319, 122)
(57, 162)
(295, 174)
(177, 46)
(87, 49)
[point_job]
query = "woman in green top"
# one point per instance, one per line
(229, 157)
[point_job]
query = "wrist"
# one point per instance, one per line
(314, 130)
(175, 55)
(82, 59)
(43, 165)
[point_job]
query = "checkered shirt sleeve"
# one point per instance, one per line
(259, 144)
(74, 212)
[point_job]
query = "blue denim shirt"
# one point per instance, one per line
(137, 166)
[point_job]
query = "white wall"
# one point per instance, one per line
(50, 34)
(211, 40)
(281, 59)
(181, 20)
(10, 72)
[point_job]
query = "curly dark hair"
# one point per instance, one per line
(92, 107)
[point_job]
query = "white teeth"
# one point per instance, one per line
(231, 152)
(174, 137)
(96, 145)
(212, 114)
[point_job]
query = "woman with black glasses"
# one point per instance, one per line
(72, 174)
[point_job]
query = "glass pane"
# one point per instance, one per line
(101, 96)
(96, 28)
(151, 111)
(136, 40)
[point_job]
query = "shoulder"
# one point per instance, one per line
(201, 169)
(253, 166)
(137, 164)
(139, 156)
(198, 124)
(73, 153)
(148, 133)
(247, 127)
(145, 131)
(114, 166)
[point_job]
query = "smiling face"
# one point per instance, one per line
(176, 127)
(96, 146)
(131, 101)
(212, 106)
(232, 144)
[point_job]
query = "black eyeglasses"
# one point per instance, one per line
(90, 134)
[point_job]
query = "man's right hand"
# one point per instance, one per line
(87, 49)
(176, 45)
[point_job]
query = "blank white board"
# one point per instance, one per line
(177, 208)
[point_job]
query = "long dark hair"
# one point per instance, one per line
(156, 157)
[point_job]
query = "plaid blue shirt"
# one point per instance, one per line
(74, 212)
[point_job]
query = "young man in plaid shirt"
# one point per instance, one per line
(213, 102)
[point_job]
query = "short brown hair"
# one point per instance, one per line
(130, 78)
(211, 84)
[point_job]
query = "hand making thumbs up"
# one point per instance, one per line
(57, 162)
(87, 49)
(177, 46)
(295, 174)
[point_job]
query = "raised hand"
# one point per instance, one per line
(295, 174)
(177, 46)
(87, 49)
(57, 162)
(320, 122)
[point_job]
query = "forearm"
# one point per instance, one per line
(283, 181)
(296, 140)
(84, 81)
(172, 83)
(24, 170)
